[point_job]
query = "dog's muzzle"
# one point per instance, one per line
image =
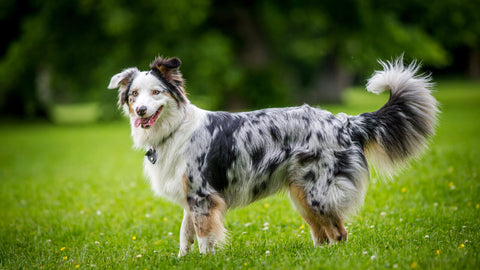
(146, 122)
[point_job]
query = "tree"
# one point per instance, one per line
(76, 45)
(325, 45)
(456, 25)
(236, 55)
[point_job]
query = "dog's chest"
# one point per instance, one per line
(165, 168)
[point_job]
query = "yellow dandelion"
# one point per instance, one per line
(438, 252)
(155, 243)
(77, 266)
(302, 227)
(65, 258)
(134, 238)
(450, 184)
(63, 248)
(245, 264)
(266, 205)
(403, 190)
(477, 206)
(461, 246)
(165, 219)
(414, 265)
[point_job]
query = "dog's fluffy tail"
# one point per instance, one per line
(400, 129)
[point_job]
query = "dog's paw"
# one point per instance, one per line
(182, 252)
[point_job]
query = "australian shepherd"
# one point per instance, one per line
(208, 162)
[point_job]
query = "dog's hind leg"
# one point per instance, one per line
(297, 196)
(187, 234)
(335, 230)
(322, 225)
(207, 215)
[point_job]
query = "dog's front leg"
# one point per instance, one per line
(187, 233)
(207, 215)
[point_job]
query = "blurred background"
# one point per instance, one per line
(57, 57)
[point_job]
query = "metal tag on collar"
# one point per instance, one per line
(151, 155)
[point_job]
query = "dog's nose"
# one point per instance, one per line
(141, 110)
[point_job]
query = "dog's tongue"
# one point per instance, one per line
(145, 122)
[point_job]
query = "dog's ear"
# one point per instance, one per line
(168, 69)
(122, 81)
(123, 78)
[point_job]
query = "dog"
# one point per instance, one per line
(208, 162)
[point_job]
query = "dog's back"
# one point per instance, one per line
(247, 156)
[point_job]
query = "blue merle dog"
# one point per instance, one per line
(211, 161)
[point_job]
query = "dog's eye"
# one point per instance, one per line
(134, 93)
(155, 92)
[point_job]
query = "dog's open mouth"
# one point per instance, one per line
(147, 122)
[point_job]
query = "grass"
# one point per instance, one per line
(74, 197)
(77, 113)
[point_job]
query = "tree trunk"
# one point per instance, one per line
(43, 92)
(474, 63)
(328, 84)
(254, 52)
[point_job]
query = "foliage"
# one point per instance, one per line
(74, 196)
(236, 54)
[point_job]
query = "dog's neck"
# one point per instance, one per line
(172, 133)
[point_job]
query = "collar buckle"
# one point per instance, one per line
(151, 155)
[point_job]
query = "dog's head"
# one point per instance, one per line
(148, 96)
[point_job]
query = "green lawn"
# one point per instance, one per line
(74, 197)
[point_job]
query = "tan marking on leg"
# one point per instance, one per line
(323, 227)
(211, 224)
(297, 195)
(339, 232)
